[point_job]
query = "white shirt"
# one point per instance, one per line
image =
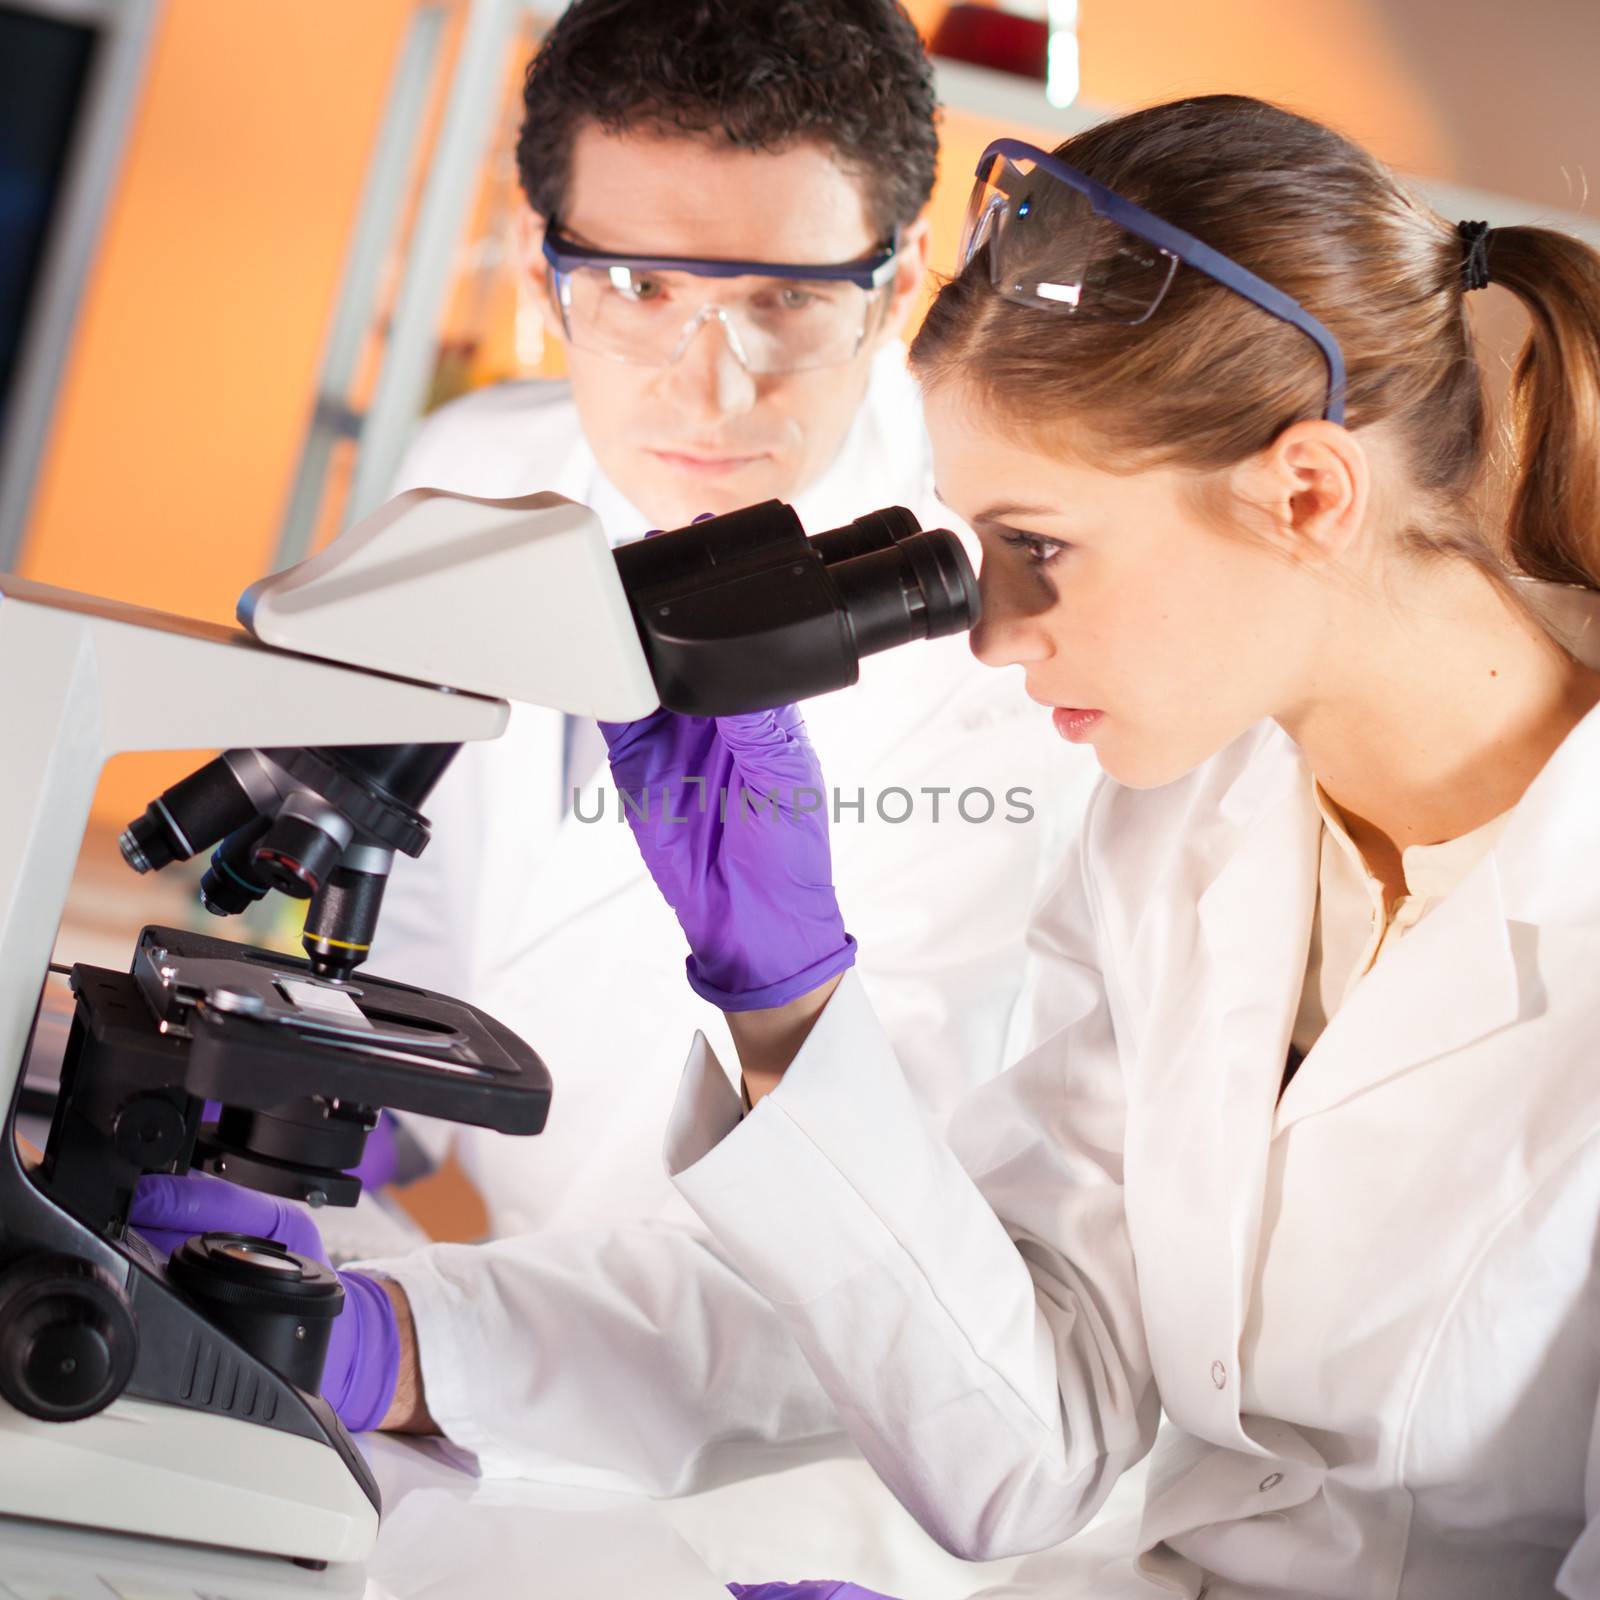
(1355, 925)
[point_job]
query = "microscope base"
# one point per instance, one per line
(180, 1474)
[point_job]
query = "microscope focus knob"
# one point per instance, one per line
(67, 1338)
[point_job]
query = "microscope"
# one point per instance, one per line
(180, 1398)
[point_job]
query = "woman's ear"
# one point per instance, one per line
(1310, 487)
(910, 273)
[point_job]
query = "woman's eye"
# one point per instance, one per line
(793, 299)
(1040, 552)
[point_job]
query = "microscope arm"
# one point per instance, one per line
(124, 678)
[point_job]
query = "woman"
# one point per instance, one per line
(1305, 1154)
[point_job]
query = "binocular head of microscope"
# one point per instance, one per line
(271, 1070)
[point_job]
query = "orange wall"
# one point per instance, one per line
(1333, 59)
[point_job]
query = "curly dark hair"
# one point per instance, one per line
(760, 74)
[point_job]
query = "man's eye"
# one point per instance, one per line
(637, 288)
(792, 299)
(1040, 552)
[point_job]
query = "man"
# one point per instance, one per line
(797, 138)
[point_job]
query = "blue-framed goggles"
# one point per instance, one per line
(775, 316)
(1062, 242)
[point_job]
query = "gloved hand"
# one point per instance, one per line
(380, 1156)
(730, 816)
(363, 1362)
(808, 1589)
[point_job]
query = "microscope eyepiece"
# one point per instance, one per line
(877, 530)
(743, 612)
(914, 589)
(737, 613)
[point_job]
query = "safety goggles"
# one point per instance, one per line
(1064, 243)
(776, 317)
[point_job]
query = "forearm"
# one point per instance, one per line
(408, 1411)
(767, 1041)
(999, 1395)
(631, 1359)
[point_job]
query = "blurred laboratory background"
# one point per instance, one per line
(246, 244)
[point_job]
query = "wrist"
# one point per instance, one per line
(408, 1409)
(362, 1371)
(777, 995)
(768, 1040)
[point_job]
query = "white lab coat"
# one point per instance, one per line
(551, 924)
(1370, 1310)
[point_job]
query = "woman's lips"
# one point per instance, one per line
(705, 466)
(1074, 723)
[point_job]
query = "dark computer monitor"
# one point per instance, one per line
(44, 69)
(69, 74)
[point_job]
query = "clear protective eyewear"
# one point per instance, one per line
(776, 317)
(1062, 242)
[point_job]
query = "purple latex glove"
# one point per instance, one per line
(730, 816)
(363, 1363)
(380, 1156)
(809, 1589)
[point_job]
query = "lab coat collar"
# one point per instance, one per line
(1451, 980)
(1256, 916)
(1554, 833)
(560, 460)
(1549, 854)
(1454, 977)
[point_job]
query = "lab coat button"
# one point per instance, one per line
(1271, 1481)
(1219, 1374)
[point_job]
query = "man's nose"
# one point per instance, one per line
(708, 378)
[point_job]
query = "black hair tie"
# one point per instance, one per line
(1475, 266)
